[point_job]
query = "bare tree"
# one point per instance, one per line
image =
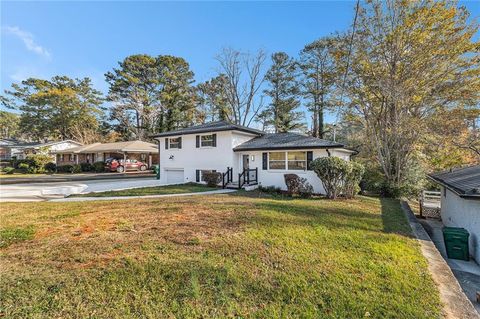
(245, 76)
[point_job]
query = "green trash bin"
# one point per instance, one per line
(156, 170)
(456, 242)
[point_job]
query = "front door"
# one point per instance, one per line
(246, 161)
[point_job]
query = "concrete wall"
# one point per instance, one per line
(461, 212)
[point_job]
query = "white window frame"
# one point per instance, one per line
(211, 141)
(177, 147)
(286, 160)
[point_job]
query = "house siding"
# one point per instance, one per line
(190, 158)
(461, 212)
(276, 177)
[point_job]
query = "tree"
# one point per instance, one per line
(409, 59)
(177, 95)
(244, 79)
(318, 82)
(213, 100)
(9, 124)
(284, 94)
(150, 94)
(51, 108)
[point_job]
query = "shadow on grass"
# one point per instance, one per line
(345, 214)
(393, 218)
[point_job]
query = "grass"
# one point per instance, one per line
(157, 190)
(241, 255)
(17, 175)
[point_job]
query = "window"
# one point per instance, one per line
(174, 142)
(276, 160)
(287, 160)
(297, 161)
(206, 140)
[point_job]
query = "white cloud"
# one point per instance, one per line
(27, 39)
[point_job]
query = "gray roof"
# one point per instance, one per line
(22, 145)
(210, 127)
(465, 182)
(279, 141)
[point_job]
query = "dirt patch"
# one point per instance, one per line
(105, 231)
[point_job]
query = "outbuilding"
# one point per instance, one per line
(460, 202)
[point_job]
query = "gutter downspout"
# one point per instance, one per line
(158, 175)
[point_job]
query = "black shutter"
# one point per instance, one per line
(264, 160)
(166, 143)
(197, 178)
(214, 140)
(180, 142)
(309, 159)
(197, 140)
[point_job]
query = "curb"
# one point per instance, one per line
(456, 304)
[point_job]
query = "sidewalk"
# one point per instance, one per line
(90, 199)
(466, 272)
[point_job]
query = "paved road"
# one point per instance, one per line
(44, 191)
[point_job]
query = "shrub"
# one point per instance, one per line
(338, 176)
(76, 168)
(38, 162)
(65, 168)
(23, 166)
(332, 171)
(51, 167)
(99, 167)
(352, 179)
(305, 190)
(293, 183)
(270, 190)
(8, 170)
(86, 167)
(212, 178)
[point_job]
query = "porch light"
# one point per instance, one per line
(252, 158)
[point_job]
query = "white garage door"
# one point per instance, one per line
(174, 176)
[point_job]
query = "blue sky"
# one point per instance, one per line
(79, 39)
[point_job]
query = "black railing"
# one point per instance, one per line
(248, 176)
(227, 177)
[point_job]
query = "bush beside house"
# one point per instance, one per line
(339, 177)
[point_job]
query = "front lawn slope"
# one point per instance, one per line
(214, 257)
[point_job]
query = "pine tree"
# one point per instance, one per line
(284, 93)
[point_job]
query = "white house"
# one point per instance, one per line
(20, 150)
(243, 155)
(460, 203)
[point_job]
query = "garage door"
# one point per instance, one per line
(174, 176)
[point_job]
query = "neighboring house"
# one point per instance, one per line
(99, 152)
(20, 150)
(249, 156)
(5, 147)
(460, 202)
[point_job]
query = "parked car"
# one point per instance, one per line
(118, 165)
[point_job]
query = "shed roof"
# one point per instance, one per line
(210, 127)
(128, 146)
(465, 182)
(279, 141)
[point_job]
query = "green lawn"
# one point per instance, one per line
(240, 255)
(157, 190)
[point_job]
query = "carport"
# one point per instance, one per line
(96, 152)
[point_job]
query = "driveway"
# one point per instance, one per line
(45, 191)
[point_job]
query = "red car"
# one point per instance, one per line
(117, 165)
